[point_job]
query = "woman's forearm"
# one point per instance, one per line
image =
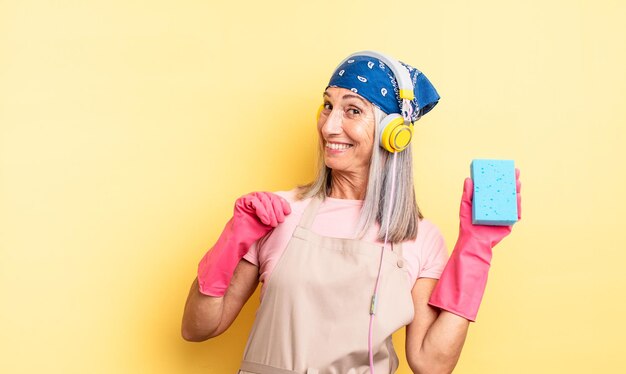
(442, 344)
(205, 316)
(435, 338)
(202, 315)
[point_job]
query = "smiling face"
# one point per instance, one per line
(346, 127)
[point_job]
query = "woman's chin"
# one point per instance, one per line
(337, 165)
(333, 164)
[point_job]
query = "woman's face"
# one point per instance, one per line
(346, 126)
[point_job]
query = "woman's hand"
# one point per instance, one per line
(260, 211)
(491, 234)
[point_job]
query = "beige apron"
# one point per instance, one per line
(314, 316)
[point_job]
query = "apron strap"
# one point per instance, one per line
(309, 213)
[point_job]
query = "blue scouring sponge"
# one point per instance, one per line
(495, 199)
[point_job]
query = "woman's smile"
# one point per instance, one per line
(337, 148)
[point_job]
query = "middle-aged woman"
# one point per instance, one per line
(348, 259)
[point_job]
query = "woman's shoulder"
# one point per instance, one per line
(289, 195)
(427, 254)
(293, 198)
(428, 233)
(427, 227)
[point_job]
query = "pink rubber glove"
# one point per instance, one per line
(254, 216)
(462, 284)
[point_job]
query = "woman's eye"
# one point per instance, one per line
(328, 106)
(354, 112)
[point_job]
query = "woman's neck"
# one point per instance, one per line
(348, 186)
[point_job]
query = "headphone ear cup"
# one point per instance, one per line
(394, 134)
(319, 112)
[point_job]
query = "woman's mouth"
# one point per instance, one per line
(338, 147)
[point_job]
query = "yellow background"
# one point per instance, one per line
(128, 128)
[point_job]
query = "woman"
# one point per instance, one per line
(348, 259)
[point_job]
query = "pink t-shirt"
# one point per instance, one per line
(425, 257)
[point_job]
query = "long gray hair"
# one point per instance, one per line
(406, 214)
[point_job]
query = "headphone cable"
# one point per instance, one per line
(380, 265)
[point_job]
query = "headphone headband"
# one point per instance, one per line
(402, 75)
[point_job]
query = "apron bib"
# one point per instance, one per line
(314, 315)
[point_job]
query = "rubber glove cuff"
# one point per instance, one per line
(462, 284)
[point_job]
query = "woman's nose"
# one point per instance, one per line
(333, 124)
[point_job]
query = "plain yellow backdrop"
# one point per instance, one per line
(128, 128)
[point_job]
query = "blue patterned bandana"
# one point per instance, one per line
(373, 80)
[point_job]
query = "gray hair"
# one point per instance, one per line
(406, 214)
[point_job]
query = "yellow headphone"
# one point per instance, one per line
(394, 132)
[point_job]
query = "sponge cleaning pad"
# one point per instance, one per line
(495, 200)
